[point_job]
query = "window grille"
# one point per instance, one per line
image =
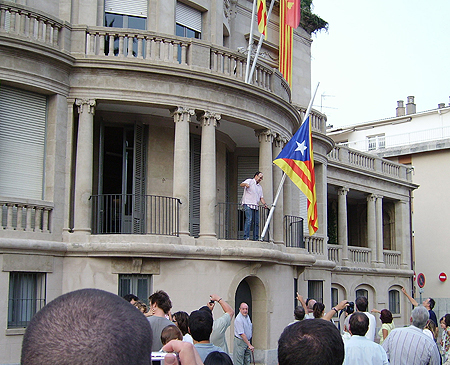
(27, 295)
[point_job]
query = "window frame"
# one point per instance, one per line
(134, 286)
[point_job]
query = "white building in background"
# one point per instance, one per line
(125, 130)
(421, 141)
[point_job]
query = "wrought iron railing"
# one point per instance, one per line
(293, 231)
(231, 220)
(135, 214)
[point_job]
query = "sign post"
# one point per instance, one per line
(421, 284)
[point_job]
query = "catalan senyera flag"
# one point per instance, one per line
(293, 13)
(262, 18)
(297, 161)
(285, 44)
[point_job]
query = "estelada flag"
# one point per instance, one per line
(262, 18)
(293, 13)
(297, 161)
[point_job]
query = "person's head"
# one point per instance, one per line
(243, 309)
(447, 320)
(200, 325)
(169, 333)
(361, 304)
(218, 358)
(429, 303)
(318, 310)
(310, 304)
(181, 319)
(442, 322)
(131, 298)
(258, 176)
(359, 324)
(311, 342)
(431, 326)
(161, 300)
(386, 316)
(90, 332)
(419, 317)
(299, 313)
(141, 306)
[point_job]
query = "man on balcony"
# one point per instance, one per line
(253, 194)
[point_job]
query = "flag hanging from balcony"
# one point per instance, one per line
(262, 18)
(285, 44)
(297, 161)
(293, 13)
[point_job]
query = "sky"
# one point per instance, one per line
(378, 52)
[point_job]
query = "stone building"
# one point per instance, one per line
(421, 141)
(125, 130)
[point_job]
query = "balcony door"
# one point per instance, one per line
(121, 202)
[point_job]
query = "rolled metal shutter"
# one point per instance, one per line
(127, 7)
(188, 17)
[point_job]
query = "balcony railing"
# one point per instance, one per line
(231, 220)
(361, 256)
(293, 231)
(25, 215)
(135, 214)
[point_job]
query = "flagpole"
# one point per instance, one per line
(283, 178)
(261, 38)
(250, 42)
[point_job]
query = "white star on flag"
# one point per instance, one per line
(301, 147)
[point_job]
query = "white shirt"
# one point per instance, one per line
(361, 351)
(410, 346)
(243, 325)
(253, 194)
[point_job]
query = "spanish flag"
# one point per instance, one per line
(297, 161)
(285, 44)
(262, 18)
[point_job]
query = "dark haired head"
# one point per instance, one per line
(299, 313)
(431, 302)
(130, 297)
(361, 304)
(447, 320)
(318, 309)
(169, 333)
(206, 309)
(91, 331)
(218, 358)
(200, 325)
(386, 316)
(257, 173)
(311, 342)
(359, 324)
(162, 300)
(181, 319)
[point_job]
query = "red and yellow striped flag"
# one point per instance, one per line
(285, 45)
(262, 17)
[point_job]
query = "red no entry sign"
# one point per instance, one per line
(421, 280)
(442, 276)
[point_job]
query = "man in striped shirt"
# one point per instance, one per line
(409, 345)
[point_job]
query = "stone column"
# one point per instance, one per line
(84, 165)
(342, 223)
(379, 219)
(320, 170)
(278, 215)
(403, 233)
(209, 123)
(372, 227)
(181, 153)
(265, 138)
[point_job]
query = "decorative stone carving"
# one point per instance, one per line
(89, 102)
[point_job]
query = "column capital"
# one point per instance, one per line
(181, 112)
(208, 118)
(265, 135)
(371, 197)
(343, 190)
(280, 141)
(89, 102)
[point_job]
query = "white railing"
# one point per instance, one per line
(392, 258)
(314, 245)
(334, 253)
(403, 139)
(360, 255)
(25, 215)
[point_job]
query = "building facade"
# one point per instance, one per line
(125, 130)
(421, 141)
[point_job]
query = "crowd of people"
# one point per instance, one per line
(116, 333)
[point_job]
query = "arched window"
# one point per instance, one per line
(362, 293)
(394, 301)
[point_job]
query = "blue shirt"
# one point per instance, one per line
(204, 349)
(361, 351)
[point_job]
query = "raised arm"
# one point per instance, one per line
(335, 310)
(225, 306)
(410, 298)
(302, 301)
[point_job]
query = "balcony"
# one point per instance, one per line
(361, 256)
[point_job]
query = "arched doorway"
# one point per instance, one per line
(243, 295)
